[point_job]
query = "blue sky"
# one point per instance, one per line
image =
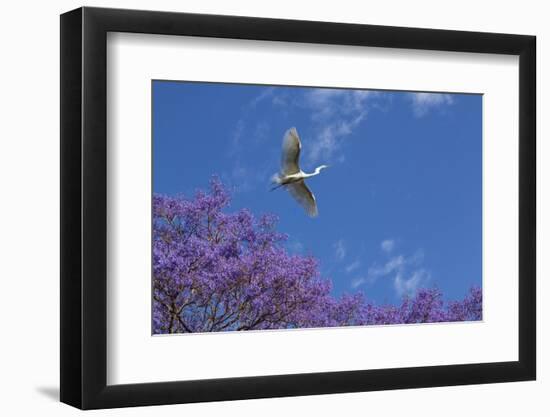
(399, 206)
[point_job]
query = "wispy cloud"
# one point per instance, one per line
(237, 136)
(359, 281)
(248, 135)
(279, 100)
(387, 245)
(238, 178)
(321, 101)
(393, 265)
(407, 273)
(261, 131)
(408, 284)
(335, 113)
(423, 103)
(329, 137)
(295, 246)
(352, 266)
(264, 95)
(339, 249)
(326, 102)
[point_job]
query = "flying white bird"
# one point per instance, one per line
(292, 177)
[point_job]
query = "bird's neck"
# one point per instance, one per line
(315, 172)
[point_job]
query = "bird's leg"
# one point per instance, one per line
(277, 186)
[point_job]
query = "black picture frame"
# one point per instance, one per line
(84, 207)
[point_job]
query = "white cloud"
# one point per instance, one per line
(261, 132)
(321, 101)
(329, 137)
(422, 103)
(339, 250)
(237, 135)
(357, 282)
(394, 264)
(408, 286)
(327, 102)
(238, 179)
(387, 245)
(406, 272)
(295, 246)
(279, 100)
(249, 134)
(336, 113)
(267, 93)
(352, 266)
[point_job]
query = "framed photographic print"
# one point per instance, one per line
(258, 207)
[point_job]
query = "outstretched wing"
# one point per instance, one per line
(303, 196)
(291, 152)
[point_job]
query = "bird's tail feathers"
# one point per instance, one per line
(276, 180)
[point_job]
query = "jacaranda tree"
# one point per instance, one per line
(218, 271)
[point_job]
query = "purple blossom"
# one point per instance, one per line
(218, 271)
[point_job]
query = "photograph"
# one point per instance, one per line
(292, 207)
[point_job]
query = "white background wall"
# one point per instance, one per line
(29, 226)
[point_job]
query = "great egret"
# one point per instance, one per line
(292, 177)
